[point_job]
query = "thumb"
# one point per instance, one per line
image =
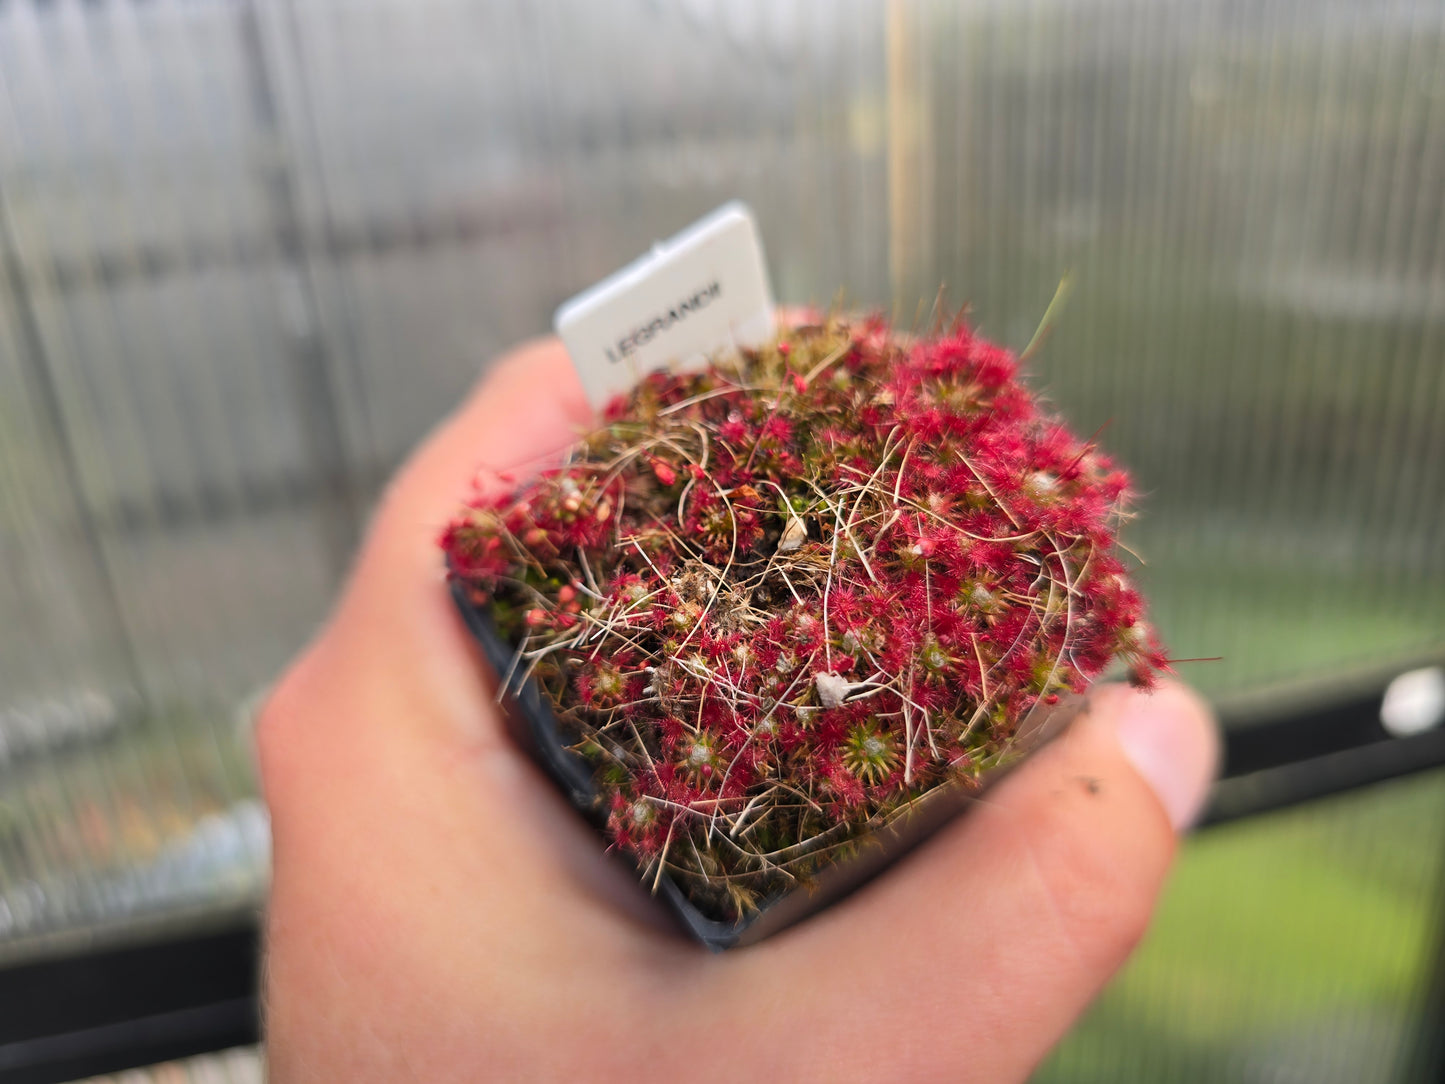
(971, 959)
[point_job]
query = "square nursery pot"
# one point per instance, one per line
(963, 535)
(537, 729)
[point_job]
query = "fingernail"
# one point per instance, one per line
(1170, 738)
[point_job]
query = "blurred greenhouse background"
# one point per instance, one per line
(250, 250)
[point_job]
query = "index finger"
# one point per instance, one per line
(527, 408)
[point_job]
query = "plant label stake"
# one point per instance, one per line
(694, 298)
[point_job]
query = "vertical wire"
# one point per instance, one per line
(311, 361)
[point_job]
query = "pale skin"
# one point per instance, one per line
(440, 914)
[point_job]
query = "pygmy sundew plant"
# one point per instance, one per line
(775, 604)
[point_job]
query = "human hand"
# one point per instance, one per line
(438, 913)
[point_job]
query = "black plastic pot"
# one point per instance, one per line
(544, 739)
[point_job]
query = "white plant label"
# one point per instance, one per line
(701, 294)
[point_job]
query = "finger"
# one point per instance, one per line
(519, 417)
(395, 655)
(975, 954)
(395, 639)
(528, 408)
(392, 707)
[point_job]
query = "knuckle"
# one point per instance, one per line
(278, 725)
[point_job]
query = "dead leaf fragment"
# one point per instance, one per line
(794, 535)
